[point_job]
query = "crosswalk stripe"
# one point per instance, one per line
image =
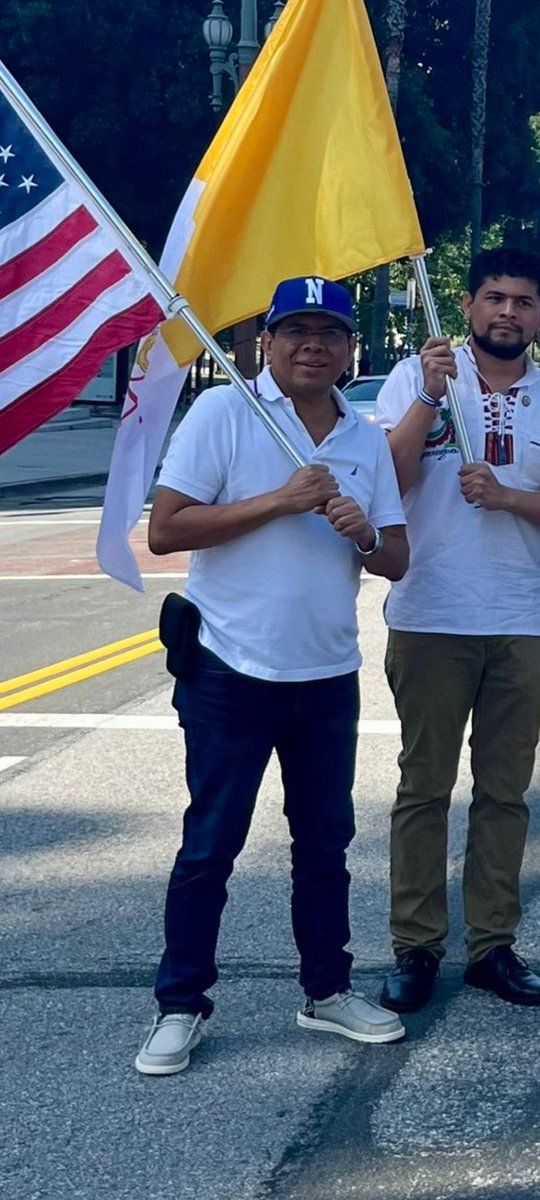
(98, 576)
(10, 760)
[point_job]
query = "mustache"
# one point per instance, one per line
(504, 325)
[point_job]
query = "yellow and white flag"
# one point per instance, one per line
(304, 177)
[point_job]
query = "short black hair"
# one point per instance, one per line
(504, 260)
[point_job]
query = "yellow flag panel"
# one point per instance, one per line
(305, 175)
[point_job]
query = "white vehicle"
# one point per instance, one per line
(362, 393)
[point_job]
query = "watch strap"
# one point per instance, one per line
(377, 545)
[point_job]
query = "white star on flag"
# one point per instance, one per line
(27, 182)
(6, 152)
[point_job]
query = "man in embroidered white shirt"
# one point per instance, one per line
(464, 630)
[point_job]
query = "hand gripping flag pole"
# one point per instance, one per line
(169, 298)
(434, 327)
(462, 437)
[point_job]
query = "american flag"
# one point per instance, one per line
(71, 291)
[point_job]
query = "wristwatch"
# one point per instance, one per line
(377, 545)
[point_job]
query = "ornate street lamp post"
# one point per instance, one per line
(218, 32)
(278, 9)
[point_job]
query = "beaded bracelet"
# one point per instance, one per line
(427, 399)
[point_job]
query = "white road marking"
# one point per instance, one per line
(44, 720)
(390, 727)
(59, 521)
(17, 516)
(7, 760)
(37, 578)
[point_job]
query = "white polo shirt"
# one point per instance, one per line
(278, 603)
(471, 571)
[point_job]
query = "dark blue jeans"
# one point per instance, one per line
(232, 723)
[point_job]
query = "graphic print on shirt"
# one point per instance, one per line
(442, 439)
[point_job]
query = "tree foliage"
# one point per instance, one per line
(125, 85)
(434, 112)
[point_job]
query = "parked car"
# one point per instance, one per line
(362, 393)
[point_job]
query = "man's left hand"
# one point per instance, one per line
(479, 486)
(350, 521)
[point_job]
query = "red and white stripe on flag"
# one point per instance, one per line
(70, 291)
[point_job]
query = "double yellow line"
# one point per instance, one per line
(73, 670)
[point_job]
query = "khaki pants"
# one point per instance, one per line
(437, 680)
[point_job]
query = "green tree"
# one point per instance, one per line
(435, 104)
(478, 117)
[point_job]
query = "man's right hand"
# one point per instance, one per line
(438, 361)
(310, 488)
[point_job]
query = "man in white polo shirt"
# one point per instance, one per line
(274, 574)
(464, 630)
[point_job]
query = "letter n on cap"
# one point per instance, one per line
(314, 291)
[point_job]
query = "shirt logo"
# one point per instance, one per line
(442, 439)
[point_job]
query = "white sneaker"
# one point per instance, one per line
(169, 1043)
(350, 1014)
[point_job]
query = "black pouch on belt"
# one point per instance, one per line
(179, 623)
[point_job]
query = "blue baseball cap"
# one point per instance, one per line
(310, 293)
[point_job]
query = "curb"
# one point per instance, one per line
(84, 423)
(63, 483)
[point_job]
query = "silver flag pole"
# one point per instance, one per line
(434, 327)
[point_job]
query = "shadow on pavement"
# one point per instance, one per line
(41, 829)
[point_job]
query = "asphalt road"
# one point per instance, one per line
(89, 822)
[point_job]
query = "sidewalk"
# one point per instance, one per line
(74, 447)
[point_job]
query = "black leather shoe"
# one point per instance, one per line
(409, 985)
(505, 973)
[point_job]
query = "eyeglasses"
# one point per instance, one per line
(330, 335)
